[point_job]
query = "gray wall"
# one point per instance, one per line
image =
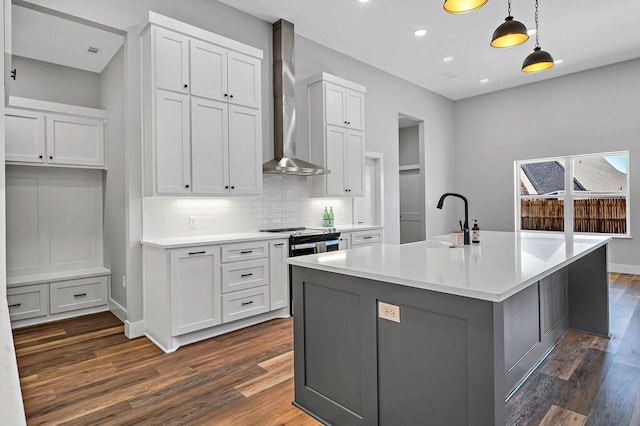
(112, 100)
(409, 146)
(588, 112)
(54, 83)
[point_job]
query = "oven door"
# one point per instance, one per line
(313, 248)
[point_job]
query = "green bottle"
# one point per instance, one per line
(331, 217)
(325, 218)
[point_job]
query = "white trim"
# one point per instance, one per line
(624, 269)
(409, 167)
(117, 309)
(195, 32)
(59, 316)
(134, 329)
(323, 76)
(57, 276)
(38, 105)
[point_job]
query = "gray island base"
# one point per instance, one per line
(445, 357)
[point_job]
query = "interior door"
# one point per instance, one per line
(410, 206)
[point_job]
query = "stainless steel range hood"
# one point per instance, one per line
(284, 96)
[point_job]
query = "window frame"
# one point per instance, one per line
(569, 194)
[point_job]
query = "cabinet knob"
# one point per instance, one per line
(231, 96)
(226, 187)
(345, 122)
(233, 187)
(225, 95)
(348, 122)
(186, 186)
(186, 85)
(51, 157)
(40, 156)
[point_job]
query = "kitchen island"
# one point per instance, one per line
(426, 334)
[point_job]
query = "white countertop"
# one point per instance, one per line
(11, 407)
(500, 266)
(351, 228)
(203, 240)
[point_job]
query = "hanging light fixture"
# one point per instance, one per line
(539, 60)
(463, 6)
(509, 33)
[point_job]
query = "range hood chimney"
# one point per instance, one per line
(284, 98)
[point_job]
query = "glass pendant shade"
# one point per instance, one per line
(509, 33)
(463, 6)
(539, 60)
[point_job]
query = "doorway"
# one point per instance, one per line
(411, 150)
(367, 210)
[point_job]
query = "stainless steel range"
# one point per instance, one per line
(308, 241)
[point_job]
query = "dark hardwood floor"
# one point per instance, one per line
(84, 371)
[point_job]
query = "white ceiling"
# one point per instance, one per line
(584, 34)
(49, 38)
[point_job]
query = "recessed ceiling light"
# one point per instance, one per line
(447, 59)
(531, 31)
(558, 61)
(363, 1)
(484, 81)
(420, 33)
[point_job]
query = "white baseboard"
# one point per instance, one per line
(134, 329)
(117, 310)
(624, 269)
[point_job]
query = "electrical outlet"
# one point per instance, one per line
(124, 281)
(192, 221)
(389, 312)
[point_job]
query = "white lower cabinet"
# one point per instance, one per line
(195, 289)
(211, 290)
(34, 303)
(366, 238)
(29, 301)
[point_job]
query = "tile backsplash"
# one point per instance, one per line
(284, 202)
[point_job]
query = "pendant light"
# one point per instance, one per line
(509, 33)
(463, 6)
(539, 60)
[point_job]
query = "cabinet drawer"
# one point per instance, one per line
(28, 302)
(366, 238)
(245, 303)
(243, 275)
(245, 251)
(78, 294)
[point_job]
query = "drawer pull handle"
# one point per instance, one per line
(246, 252)
(196, 252)
(15, 305)
(80, 295)
(368, 237)
(247, 303)
(247, 275)
(278, 245)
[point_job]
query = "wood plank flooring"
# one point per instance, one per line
(84, 371)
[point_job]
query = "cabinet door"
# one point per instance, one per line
(195, 289)
(336, 141)
(354, 107)
(245, 150)
(209, 135)
(75, 141)
(244, 80)
(173, 162)
(208, 70)
(171, 61)
(279, 274)
(334, 100)
(24, 136)
(354, 165)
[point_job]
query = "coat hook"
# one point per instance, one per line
(13, 74)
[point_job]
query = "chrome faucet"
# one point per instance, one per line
(465, 227)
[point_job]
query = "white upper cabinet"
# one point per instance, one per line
(173, 159)
(201, 112)
(24, 137)
(244, 80)
(75, 141)
(172, 61)
(336, 133)
(344, 107)
(53, 139)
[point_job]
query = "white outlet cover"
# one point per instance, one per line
(389, 312)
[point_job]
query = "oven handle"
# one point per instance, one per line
(304, 246)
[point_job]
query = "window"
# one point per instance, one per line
(585, 193)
